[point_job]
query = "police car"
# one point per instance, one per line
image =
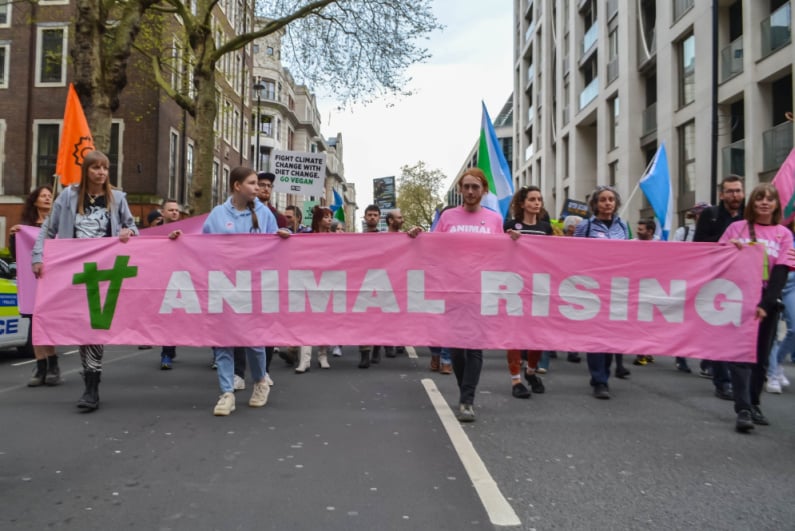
(14, 329)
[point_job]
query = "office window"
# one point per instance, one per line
(613, 105)
(687, 70)
(47, 137)
(687, 157)
(51, 56)
(266, 125)
(5, 53)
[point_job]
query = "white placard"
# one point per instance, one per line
(299, 172)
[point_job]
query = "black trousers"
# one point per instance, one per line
(748, 379)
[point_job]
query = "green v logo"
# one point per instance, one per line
(102, 317)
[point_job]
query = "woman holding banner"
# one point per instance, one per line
(605, 224)
(761, 225)
(90, 209)
(527, 208)
(37, 207)
(241, 213)
(322, 217)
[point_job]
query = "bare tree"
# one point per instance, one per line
(418, 194)
(354, 49)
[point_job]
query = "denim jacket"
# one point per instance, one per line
(596, 228)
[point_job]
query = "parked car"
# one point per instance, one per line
(15, 330)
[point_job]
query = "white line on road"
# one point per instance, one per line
(28, 362)
(499, 510)
(411, 352)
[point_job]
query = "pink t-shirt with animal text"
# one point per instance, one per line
(777, 240)
(484, 221)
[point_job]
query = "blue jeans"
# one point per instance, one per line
(786, 345)
(225, 360)
(599, 366)
(443, 353)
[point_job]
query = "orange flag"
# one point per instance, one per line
(76, 140)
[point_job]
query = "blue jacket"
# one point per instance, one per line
(595, 228)
(226, 219)
(61, 221)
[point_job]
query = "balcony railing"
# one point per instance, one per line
(612, 9)
(612, 70)
(649, 119)
(776, 30)
(647, 48)
(590, 37)
(734, 158)
(681, 7)
(731, 59)
(589, 93)
(776, 145)
(528, 34)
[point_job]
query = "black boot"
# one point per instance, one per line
(53, 376)
(365, 359)
(376, 357)
(90, 399)
(39, 374)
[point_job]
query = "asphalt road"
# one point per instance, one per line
(350, 449)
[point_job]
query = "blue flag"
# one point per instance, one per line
(656, 186)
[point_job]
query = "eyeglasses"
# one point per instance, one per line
(266, 185)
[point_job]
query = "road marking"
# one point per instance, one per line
(499, 510)
(411, 352)
(28, 362)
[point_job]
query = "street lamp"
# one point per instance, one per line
(258, 89)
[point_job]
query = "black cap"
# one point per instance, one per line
(266, 175)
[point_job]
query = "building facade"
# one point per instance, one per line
(152, 148)
(600, 84)
(285, 118)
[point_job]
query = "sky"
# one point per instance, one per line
(471, 61)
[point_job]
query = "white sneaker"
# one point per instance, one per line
(240, 383)
(260, 395)
(268, 380)
(336, 352)
(782, 378)
(225, 405)
(773, 385)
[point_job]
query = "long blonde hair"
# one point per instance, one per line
(89, 160)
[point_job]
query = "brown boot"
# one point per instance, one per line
(435, 363)
(446, 368)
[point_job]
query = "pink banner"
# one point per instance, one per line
(188, 226)
(26, 282)
(455, 290)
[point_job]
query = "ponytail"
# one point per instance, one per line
(254, 218)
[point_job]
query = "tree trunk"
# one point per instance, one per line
(206, 109)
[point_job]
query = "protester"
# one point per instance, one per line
(471, 217)
(265, 182)
(171, 214)
(91, 209)
(528, 212)
(241, 213)
(686, 232)
(776, 379)
(293, 216)
(37, 207)
(570, 224)
(709, 228)
(394, 220)
(604, 224)
(155, 218)
(368, 353)
(321, 224)
(646, 229)
(760, 226)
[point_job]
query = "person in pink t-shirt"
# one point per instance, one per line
(473, 218)
(760, 226)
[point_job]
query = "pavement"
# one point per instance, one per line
(346, 448)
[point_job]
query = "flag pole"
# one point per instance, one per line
(637, 185)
